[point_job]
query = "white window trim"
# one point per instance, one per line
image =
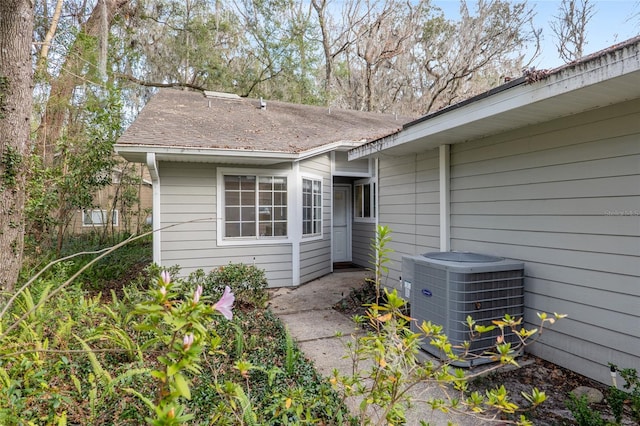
(115, 218)
(318, 236)
(220, 222)
(374, 206)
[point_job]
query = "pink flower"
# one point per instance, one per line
(197, 294)
(165, 277)
(225, 303)
(163, 291)
(187, 341)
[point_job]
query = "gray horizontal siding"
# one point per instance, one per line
(344, 166)
(409, 206)
(188, 193)
(555, 197)
(362, 233)
(315, 260)
(315, 255)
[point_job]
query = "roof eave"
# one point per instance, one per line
(137, 153)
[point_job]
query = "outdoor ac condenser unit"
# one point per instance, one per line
(446, 287)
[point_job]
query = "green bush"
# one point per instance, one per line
(247, 282)
(632, 389)
(584, 415)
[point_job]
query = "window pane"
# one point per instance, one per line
(280, 183)
(266, 230)
(248, 183)
(358, 203)
(373, 199)
(266, 183)
(280, 198)
(232, 230)
(280, 213)
(232, 198)
(367, 200)
(265, 214)
(232, 214)
(280, 229)
(248, 229)
(232, 183)
(248, 214)
(266, 198)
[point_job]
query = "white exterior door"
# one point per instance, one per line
(341, 223)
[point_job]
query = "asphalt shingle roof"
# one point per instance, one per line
(186, 119)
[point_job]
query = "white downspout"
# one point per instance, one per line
(445, 197)
(152, 165)
(333, 170)
(376, 180)
(296, 221)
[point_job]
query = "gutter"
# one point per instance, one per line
(162, 153)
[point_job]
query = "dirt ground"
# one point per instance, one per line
(555, 381)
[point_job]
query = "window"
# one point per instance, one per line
(365, 200)
(98, 217)
(255, 206)
(311, 206)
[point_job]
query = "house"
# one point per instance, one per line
(264, 183)
(123, 206)
(544, 169)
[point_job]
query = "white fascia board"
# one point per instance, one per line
(563, 82)
(205, 154)
(241, 155)
(330, 147)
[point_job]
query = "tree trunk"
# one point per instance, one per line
(62, 86)
(16, 85)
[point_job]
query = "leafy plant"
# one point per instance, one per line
(385, 367)
(584, 415)
(179, 325)
(247, 282)
(632, 385)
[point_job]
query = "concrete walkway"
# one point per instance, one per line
(308, 314)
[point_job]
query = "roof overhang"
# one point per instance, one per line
(602, 80)
(138, 154)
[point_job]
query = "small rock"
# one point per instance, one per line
(594, 396)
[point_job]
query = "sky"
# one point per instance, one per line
(613, 21)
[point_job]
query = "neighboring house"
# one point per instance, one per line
(544, 169)
(109, 210)
(265, 183)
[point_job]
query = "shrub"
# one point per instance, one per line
(632, 387)
(584, 415)
(247, 282)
